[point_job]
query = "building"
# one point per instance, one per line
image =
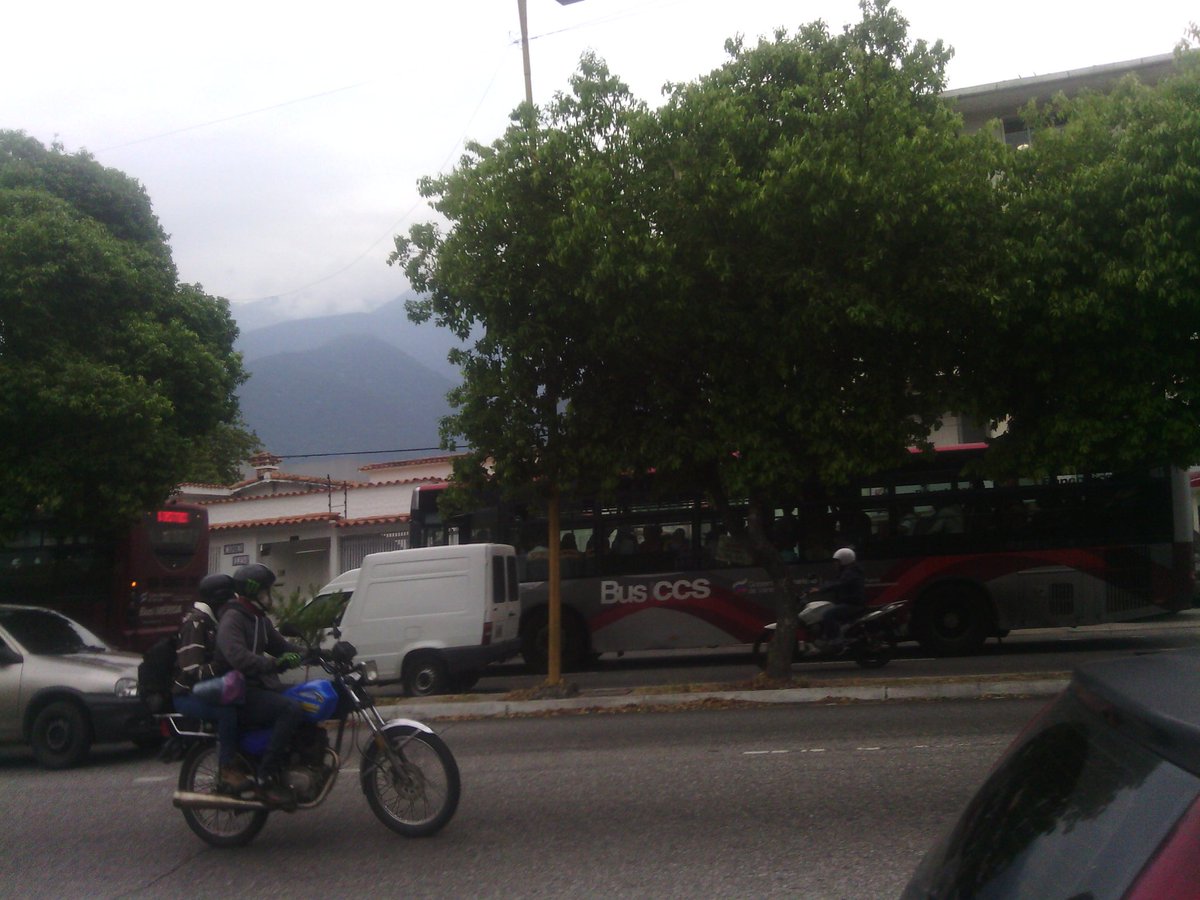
(310, 529)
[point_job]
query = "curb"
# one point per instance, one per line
(977, 689)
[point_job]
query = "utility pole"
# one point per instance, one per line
(554, 622)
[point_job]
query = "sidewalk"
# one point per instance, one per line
(685, 696)
(1041, 684)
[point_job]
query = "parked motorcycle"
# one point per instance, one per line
(870, 640)
(407, 772)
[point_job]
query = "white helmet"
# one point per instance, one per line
(845, 556)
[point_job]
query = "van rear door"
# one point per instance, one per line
(504, 610)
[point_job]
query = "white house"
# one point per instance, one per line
(306, 528)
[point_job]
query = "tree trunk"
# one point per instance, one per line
(788, 594)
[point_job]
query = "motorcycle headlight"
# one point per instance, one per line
(370, 671)
(126, 687)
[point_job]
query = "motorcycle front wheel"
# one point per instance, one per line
(417, 796)
(220, 828)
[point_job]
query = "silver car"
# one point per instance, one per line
(63, 689)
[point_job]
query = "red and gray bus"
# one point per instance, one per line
(973, 556)
(131, 588)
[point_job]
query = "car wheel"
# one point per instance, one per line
(61, 735)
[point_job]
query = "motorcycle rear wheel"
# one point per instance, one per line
(419, 798)
(220, 828)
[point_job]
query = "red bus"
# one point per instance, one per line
(974, 557)
(131, 589)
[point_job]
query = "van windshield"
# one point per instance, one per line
(325, 610)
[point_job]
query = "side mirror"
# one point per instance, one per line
(9, 656)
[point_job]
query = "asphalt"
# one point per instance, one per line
(690, 696)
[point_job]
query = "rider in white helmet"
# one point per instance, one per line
(847, 593)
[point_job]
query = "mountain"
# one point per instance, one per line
(427, 344)
(349, 393)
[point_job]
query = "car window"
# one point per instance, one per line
(45, 632)
(1075, 811)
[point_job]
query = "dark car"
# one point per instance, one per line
(63, 689)
(1099, 797)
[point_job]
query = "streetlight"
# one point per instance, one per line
(525, 45)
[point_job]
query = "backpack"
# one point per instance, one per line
(156, 674)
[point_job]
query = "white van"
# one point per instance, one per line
(431, 617)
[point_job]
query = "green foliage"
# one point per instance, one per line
(295, 609)
(116, 382)
(1100, 324)
(771, 278)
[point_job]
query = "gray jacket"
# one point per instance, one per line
(249, 642)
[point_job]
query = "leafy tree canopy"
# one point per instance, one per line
(773, 277)
(116, 382)
(1100, 325)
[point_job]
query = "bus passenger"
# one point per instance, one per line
(652, 539)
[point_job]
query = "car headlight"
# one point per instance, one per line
(126, 687)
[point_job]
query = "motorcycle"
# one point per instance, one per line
(408, 774)
(870, 640)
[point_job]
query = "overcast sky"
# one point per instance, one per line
(281, 143)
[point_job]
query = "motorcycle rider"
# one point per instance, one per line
(194, 662)
(248, 641)
(847, 594)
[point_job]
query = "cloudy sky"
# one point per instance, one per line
(281, 143)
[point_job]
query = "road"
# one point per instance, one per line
(806, 800)
(1035, 650)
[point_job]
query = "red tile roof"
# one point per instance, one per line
(282, 520)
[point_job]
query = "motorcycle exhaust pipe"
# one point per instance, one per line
(192, 800)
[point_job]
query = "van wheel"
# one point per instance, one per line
(426, 674)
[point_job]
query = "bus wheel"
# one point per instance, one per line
(952, 620)
(535, 641)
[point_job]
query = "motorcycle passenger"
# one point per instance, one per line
(194, 662)
(847, 594)
(248, 641)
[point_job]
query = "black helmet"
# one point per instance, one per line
(249, 580)
(216, 589)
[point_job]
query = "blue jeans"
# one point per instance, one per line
(263, 709)
(224, 716)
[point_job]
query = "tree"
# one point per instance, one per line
(547, 255)
(771, 280)
(831, 230)
(116, 382)
(1098, 331)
